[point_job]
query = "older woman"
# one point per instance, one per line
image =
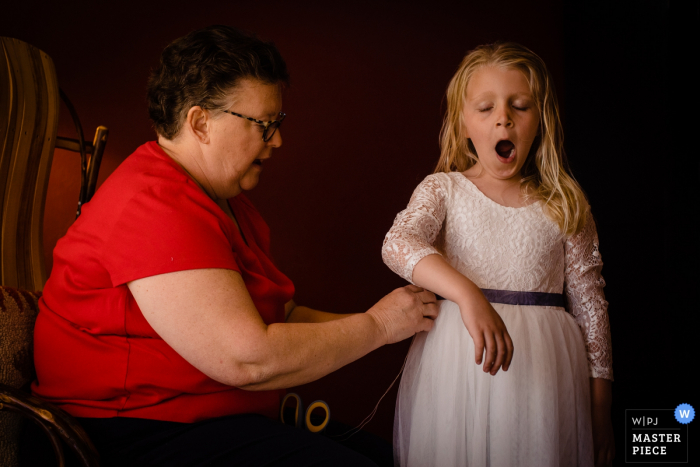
(164, 325)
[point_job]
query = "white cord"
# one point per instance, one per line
(369, 417)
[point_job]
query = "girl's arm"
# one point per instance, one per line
(408, 250)
(483, 323)
(584, 290)
(603, 436)
(583, 285)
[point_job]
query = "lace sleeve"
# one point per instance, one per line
(584, 292)
(415, 229)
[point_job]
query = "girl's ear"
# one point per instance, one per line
(463, 125)
(534, 148)
(471, 148)
(198, 123)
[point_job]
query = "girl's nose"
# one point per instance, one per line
(503, 119)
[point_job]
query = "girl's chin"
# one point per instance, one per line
(506, 173)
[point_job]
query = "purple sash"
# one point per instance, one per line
(508, 297)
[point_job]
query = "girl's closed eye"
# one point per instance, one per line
(520, 105)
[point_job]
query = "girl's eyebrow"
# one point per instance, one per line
(524, 94)
(488, 94)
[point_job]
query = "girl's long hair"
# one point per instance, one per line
(546, 175)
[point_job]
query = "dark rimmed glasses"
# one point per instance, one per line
(269, 127)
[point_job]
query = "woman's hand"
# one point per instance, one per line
(488, 332)
(398, 316)
(603, 436)
(483, 323)
(404, 312)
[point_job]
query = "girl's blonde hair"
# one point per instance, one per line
(546, 175)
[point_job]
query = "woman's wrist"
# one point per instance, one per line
(379, 328)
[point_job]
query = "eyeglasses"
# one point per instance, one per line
(269, 127)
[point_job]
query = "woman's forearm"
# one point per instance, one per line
(297, 353)
(302, 314)
(328, 341)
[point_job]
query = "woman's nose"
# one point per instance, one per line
(276, 140)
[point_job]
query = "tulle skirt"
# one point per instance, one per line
(450, 413)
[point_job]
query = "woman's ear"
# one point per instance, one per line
(198, 123)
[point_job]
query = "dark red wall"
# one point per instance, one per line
(364, 112)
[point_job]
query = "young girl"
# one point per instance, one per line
(503, 232)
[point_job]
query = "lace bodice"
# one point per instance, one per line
(499, 247)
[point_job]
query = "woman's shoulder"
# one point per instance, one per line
(147, 166)
(147, 188)
(146, 173)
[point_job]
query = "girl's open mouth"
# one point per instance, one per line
(506, 151)
(258, 162)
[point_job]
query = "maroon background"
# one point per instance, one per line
(364, 112)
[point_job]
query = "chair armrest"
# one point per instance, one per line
(55, 422)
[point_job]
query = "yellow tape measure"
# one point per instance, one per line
(317, 428)
(307, 418)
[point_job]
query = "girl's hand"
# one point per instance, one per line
(489, 334)
(603, 439)
(603, 436)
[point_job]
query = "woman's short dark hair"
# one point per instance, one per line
(202, 67)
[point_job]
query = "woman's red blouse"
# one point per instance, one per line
(95, 354)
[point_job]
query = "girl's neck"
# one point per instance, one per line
(506, 192)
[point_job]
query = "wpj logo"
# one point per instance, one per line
(657, 435)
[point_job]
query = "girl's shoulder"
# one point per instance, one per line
(438, 185)
(442, 179)
(445, 185)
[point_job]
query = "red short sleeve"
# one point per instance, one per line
(167, 228)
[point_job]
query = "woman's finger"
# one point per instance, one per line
(427, 324)
(431, 310)
(426, 296)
